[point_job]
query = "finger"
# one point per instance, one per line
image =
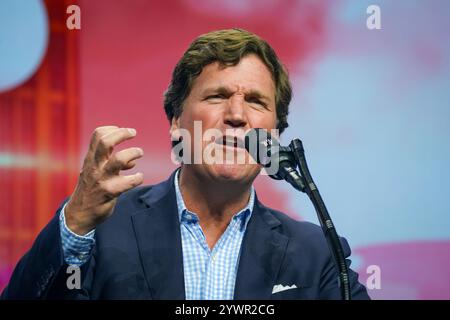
(129, 165)
(120, 160)
(100, 132)
(95, 137)
(104, 130)
(107, 142)
(119, 184)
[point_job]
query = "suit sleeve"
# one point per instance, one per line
(330, 290)
(42, 272)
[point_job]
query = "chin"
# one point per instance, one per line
(235, 172)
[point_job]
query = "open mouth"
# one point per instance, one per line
(231, 141)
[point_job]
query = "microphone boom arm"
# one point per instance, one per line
(328, 228)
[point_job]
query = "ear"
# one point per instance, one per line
(174, 126)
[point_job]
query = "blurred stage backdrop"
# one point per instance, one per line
(371, 106)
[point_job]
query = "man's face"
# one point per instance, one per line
(235, 97)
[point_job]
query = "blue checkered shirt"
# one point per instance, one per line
(76, 248)
(209, 274)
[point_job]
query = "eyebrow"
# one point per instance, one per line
(227, 91)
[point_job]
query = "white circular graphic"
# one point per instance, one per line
(23, 40)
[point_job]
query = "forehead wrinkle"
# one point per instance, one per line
(239, 88)
(218, 83)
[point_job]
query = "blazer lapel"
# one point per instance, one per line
(158, 236)
(262, 252)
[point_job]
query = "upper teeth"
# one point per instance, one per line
(231, 141)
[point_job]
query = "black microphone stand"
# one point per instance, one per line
(328, 228)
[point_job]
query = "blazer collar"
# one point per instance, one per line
(157, 231)
(262, 251)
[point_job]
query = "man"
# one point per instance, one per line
(202, 234)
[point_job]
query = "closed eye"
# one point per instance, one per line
(256, 101)
(215, 96)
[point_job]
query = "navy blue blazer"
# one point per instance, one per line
(138, 255)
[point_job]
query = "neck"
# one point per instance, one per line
(213, 201)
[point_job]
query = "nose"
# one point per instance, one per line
(235, 114)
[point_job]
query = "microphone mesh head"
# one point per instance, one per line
(259, 144)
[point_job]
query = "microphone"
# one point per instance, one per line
(266, 151)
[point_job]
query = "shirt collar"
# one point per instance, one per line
(185, 215)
